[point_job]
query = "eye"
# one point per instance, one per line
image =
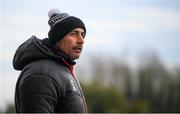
(73, 32)
(83, 34)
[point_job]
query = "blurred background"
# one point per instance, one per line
(131, 56)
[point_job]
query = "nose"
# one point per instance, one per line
(80, 39)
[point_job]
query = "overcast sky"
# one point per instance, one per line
(113, 27)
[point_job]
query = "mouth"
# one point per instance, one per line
(78, 49)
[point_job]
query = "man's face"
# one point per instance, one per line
(72, 43)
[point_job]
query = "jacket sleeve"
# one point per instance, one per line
(38, 93)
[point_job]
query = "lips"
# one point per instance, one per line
(77, 49)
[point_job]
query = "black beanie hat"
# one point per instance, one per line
(61, 24)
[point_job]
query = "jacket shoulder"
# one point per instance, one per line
(52, 69)
(46, 67)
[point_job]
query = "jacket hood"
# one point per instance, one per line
(34, 49)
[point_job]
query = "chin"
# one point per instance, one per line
(75, 57)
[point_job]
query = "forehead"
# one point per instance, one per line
(78, 29)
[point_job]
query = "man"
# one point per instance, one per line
(47, 82)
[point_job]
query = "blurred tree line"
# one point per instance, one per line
(117, 87)
(149, 86)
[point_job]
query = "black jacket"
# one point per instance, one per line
(46, 82)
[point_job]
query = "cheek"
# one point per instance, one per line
(69, 44)
(67, 47)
